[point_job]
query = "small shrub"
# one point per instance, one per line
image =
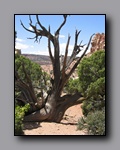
(19, 116)
(94, 123)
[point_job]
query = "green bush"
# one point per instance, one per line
(91, 72)
(37, 76)
(33, 70)
(19, 116)
(72, 86)
(94, 123)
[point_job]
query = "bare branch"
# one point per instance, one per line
(22, 100)
(44, 29)
(71, 100)
(36, 38)
(37, 32)
(58, 30)
(26, 28)
(81, 42)
(76, 50)
(76, 37)
(49, 48)
(65, 58)
(87, 46)
(24, 88)
(30, 19)
(78, 61)
(79, 101)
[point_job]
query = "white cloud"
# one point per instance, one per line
(61, 36)
(30, 28)
(44, 51)
(63, 47)
(21, 46)
(32, 46)
(19, 40)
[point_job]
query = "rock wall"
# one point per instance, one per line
(98, 42)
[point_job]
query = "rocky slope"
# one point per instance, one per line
(40, 59)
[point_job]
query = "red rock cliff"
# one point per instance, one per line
(98, 42)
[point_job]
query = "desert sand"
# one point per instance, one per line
(67, 126)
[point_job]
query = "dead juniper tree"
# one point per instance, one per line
(55, 104)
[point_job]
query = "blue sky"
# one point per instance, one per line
(88, 24)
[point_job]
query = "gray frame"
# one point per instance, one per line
(7, 11)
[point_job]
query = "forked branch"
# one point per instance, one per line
(38, 32)
(78, 61)
(76, 49)
(64, 21)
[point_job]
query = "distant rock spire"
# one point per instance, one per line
(98, 42)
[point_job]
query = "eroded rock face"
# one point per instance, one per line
(98, 42)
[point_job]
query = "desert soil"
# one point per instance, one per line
(68, 125)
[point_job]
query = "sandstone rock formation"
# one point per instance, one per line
(98, 42)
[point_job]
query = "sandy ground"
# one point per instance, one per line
(68, 126)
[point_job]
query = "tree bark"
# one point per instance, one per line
(55, 108)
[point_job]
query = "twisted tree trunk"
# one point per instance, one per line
(55, 108)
